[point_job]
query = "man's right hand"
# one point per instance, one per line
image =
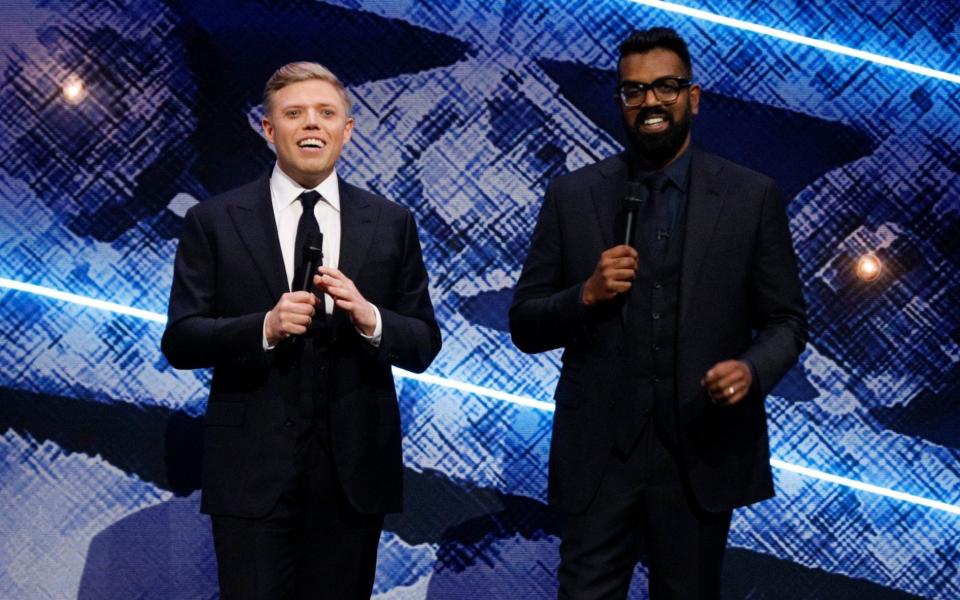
(614, 275)
(291, 316)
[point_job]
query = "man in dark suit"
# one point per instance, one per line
(670, 343)
(302, 436)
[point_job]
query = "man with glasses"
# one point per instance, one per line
(673, 332)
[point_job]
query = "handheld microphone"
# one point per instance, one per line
(312, 259)
(632, 203)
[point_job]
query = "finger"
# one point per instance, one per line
(734, 378)
(620, 250)
(731, 393)
(297, 308)
(620, 275)
(294, 320)
(289, 329)
(297, 297)
(718, 371)
(339, 291)
(619, 287)
(621, 263)
(331, 272)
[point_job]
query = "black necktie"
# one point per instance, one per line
(656, 218)
(306, 226)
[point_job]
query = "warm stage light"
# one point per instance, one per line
(74, 90)
(868, 267)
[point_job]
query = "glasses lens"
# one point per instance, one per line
(666, 90)
(631, 95)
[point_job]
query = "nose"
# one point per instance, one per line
(650, 98)
(312, 119)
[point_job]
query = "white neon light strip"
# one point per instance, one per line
(469, 388)
(81, 300)
(865, 487)
(799, 39)
(474, 389)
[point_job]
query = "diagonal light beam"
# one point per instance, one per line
(799, 39)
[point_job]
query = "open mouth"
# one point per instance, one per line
(654, 123)
(311, 144)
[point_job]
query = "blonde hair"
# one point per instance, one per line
(302, 71)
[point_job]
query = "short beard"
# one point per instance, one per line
(659, 149)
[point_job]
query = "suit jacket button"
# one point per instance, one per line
(288, 423)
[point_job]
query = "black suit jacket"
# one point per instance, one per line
(228, 274)
(740, 297)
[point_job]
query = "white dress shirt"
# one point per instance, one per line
(287, 208)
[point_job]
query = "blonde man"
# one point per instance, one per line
(279, 287)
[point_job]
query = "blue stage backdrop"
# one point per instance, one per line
(465, 110)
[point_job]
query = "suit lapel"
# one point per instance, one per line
(606, 194)
(704, 205)
(358, 220)
(257, 227)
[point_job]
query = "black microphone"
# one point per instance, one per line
(632, 203)
(312, 259)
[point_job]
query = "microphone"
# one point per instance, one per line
(312, 259)
(632, 203)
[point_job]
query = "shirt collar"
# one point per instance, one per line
(284, 191)
(678, 172)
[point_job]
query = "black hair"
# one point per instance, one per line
(645, 40)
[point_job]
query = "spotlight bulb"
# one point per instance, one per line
(74, 90)
(868, 267)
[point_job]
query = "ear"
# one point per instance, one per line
(268, 130)
(348, 130)
(695, 99)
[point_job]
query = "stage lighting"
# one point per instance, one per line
(868, 267)
(74, 90)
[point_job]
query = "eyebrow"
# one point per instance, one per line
(657, 79)
(299, 105)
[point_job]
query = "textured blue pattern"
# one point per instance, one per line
(464, 112)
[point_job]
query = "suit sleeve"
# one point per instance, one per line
(779, 312)
(411, 336)
(547, 312)
(196, 336)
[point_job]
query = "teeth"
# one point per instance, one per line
(653, 121)
(311, 143)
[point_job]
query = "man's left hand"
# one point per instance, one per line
(347, 298)
(728, 382)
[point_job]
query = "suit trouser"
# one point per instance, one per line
(643, 507)
(313, 544)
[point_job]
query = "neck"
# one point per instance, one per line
(658, 163)
(307, 181)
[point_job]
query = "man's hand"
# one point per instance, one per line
(614, 274)
(291, 316)
(347, 298)
(728, 382)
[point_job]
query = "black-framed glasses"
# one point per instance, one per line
(666, 89)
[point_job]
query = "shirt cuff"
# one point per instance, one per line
(266, 345)
(377, 331)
